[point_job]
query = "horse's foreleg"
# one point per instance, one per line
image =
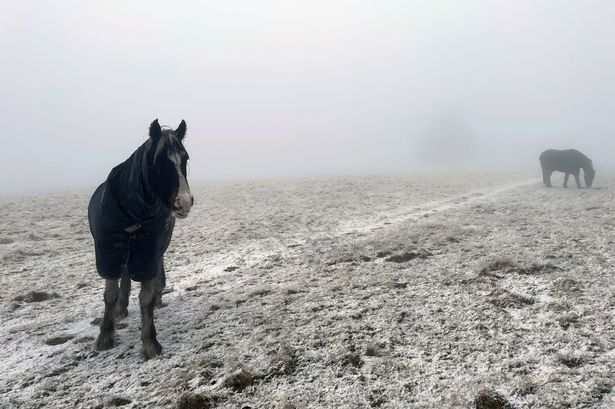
(106, 337)
(161, 282)
(150, 345)
(566, 180)
(546, 177)
(122, 306)
(576, 179)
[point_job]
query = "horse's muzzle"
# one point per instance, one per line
(182, 205)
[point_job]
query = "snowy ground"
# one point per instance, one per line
(391, 292)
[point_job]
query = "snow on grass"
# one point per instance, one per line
(394, 292)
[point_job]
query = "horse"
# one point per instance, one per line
(569, 161)
(131, 217)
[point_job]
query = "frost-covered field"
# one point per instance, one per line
(391, 292)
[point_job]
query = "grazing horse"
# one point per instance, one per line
(131, 216)
(569, 161)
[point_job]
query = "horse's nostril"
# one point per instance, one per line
(191, 200)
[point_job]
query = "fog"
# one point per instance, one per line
(289, 88)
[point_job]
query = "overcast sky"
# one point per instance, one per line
(295, 88)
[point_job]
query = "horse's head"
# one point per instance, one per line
(589, 175)
(167, 159)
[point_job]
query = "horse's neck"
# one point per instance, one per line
(147, 187)
(132, 187)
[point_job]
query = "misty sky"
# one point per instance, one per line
(297, 88)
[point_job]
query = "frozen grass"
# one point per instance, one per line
(390, 292)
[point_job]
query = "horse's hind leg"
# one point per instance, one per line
(161, 282)
(566, 180)
(150, 345)
(546, 177)
(122, 306)
(106, 337)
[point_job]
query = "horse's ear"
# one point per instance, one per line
(180, 132)
(154, 130)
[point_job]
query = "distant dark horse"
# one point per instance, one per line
(569, 161)
(132, 215)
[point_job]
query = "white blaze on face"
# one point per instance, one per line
(183, 201)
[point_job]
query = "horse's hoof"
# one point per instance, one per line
(151, 349)
(105, 341)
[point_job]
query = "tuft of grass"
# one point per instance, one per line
(400, 284)
(497, 265)
(196, 401)
(375, 401)
(525, 387)
(490, 399)
(58, 340)
(83, 340)
(372, 349)
(285, 403)
(567, 319)
(239, 377)
(570, 360)
(537, 268)
(118, 401)
(260, 292)
(602, 387)
(36, 296)
(34, 237)
(383, 253)
(567, 285)
(352, 358)
(408, 256)
(292, 290)
(506, 299)
(284, 362)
